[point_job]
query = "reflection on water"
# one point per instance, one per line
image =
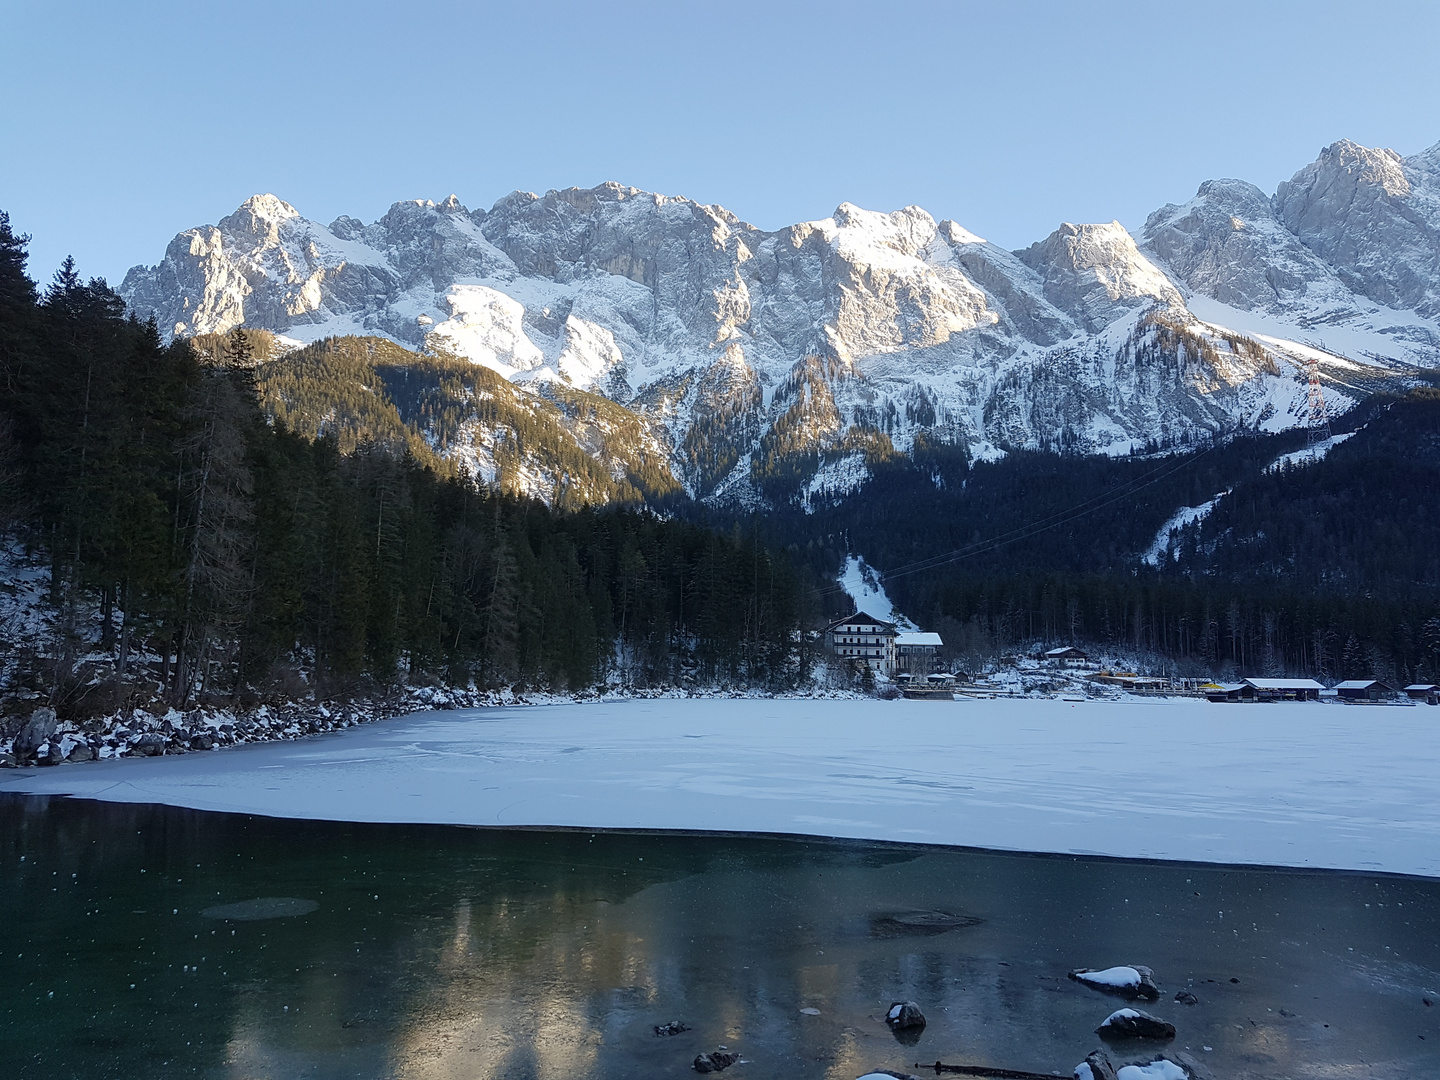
(145, 942)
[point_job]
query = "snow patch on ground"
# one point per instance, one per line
(1186, 516)
(835, 479)
(1300, 458)
(1299, 785)
(861, 583)
(1381, 335)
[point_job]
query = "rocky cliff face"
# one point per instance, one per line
(1345, 256)
(777, 364)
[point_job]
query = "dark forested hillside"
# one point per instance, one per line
(1331, 569)
(227, 554)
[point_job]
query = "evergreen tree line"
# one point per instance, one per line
(1329, 570)
(224, 554)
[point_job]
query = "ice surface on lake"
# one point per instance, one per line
(1299, 784)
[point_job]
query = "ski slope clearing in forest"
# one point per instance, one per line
(1304, 785)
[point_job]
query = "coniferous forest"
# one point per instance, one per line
(1331, 570)
(225, 525)
(233, 558)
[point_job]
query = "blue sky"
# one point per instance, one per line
(123, 123)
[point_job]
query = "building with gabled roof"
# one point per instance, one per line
(864, 639)
(1066, 656)
(1282, 689)
(1266, 690)
(917, 652)
(1364, 690)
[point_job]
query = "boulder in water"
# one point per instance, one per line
(904, 1015)
(1096, 1066)
(1162, 1068)
(715, 1062)
(1134, 1024)
(1133, 981)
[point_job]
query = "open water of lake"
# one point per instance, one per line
(140, 941)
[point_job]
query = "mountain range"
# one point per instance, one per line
(752, 368)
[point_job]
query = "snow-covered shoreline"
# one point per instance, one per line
(1296, 785)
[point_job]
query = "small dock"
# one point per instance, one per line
(927, 693)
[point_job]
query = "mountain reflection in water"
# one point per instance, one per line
(262, 948)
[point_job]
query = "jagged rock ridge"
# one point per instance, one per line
(780, 364)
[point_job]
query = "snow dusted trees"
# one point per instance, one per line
(201, 553)
(214, 515)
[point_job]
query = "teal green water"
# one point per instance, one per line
(152, 942)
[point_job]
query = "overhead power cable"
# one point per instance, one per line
(1035, 528)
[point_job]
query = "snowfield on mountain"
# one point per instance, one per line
(805, 352)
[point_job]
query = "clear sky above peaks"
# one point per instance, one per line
(121, 124)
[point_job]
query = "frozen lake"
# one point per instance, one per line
(1300, 785)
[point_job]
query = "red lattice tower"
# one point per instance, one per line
(1319, 422)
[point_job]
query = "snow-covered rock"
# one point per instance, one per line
(1132, 981)
(903, 1015)
(1134, 1024)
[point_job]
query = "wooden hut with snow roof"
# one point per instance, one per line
(1364, 690)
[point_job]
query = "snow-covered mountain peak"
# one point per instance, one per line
(1227, 243)
(906, 231)
(1375, 218)
(958, 234)
(1096, 273)
(1363, 165)
(266, 208)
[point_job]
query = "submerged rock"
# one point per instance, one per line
(918, 923)
(1133, 981)
(1134, 1024)
(1185, 997)
(674, 1027)
(715, 1062)
(264, 907)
